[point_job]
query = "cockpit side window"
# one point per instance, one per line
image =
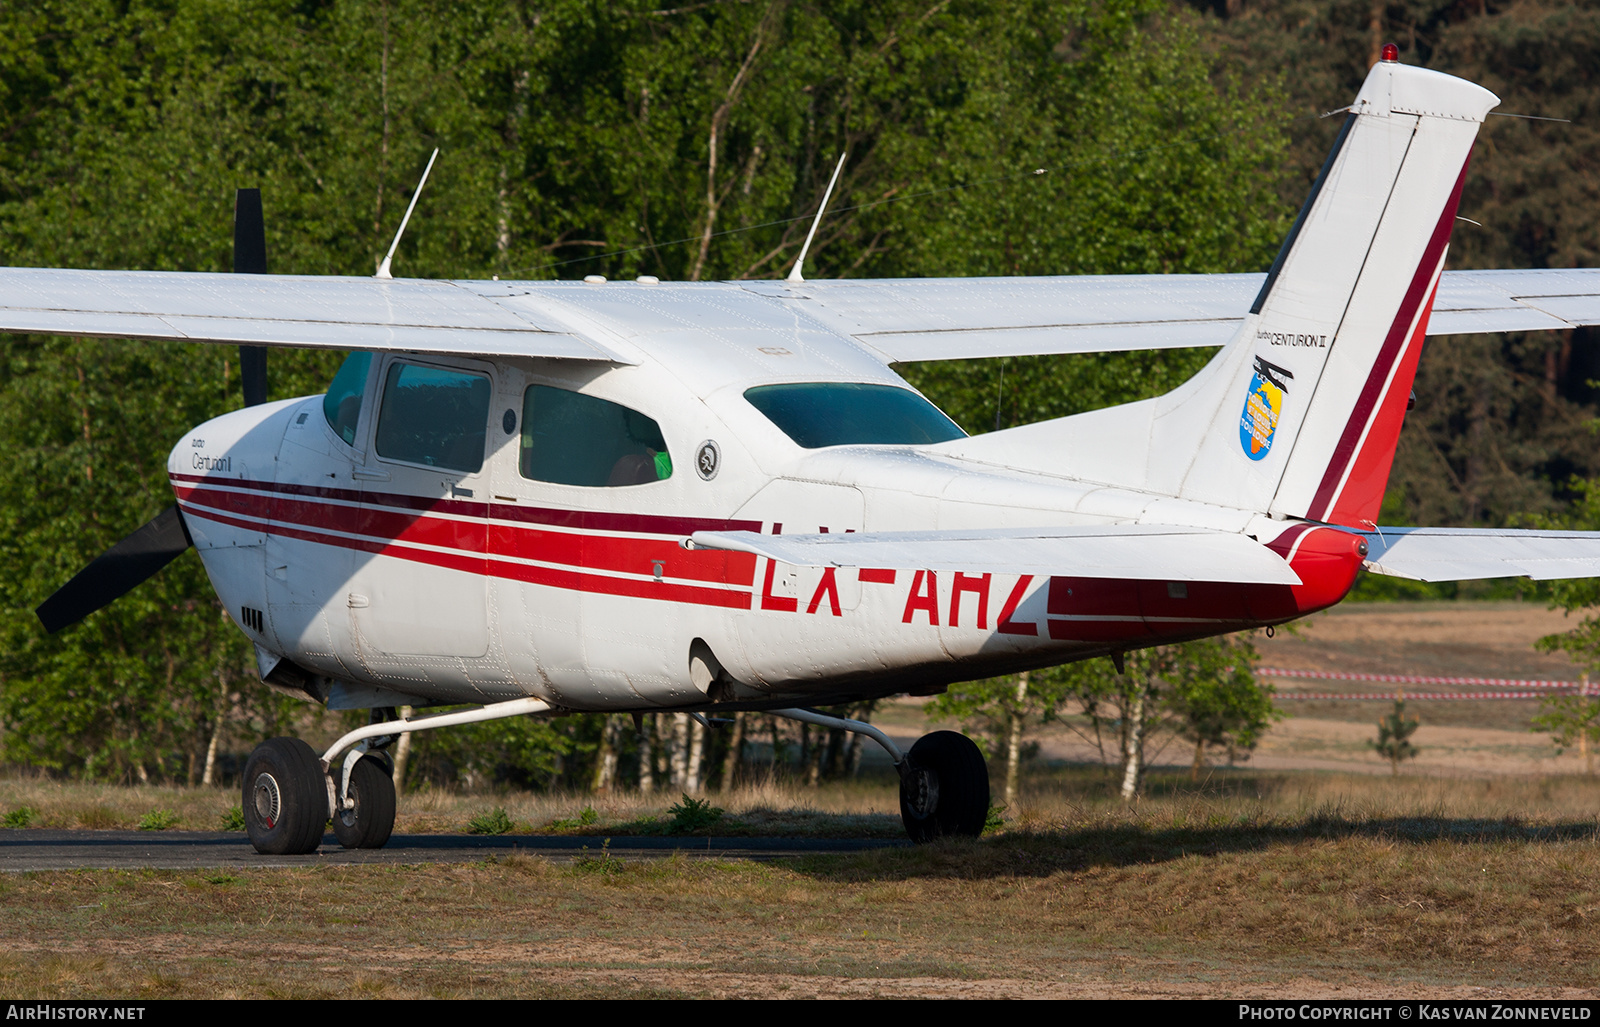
(433, 416)
(342, 405)
(817, 414)
(572, 439)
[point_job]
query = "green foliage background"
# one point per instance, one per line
(581, 136)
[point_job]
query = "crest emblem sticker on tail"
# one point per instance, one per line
(1263, 405)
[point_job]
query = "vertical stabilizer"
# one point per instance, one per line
(1299, 415)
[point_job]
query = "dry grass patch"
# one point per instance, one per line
(1176, 900)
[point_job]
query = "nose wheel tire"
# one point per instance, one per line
(285, 803)
(368, 823)
(944, 789)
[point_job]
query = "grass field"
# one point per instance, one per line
(1256, 884)
(1308, 873)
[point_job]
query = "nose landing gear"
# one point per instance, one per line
(368, 818)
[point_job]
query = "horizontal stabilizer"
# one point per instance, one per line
(1138, 552)
(1467, 554)
(321, 312)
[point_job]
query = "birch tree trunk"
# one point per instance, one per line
(730, 765)
(647, 756)
(402, 752)
(605, 770)
(1133, 748)
(694, 776)
(1014, 739)
(680, 752)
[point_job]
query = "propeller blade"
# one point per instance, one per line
(115, 572)
(250, 258)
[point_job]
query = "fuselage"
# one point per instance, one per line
(459, 530)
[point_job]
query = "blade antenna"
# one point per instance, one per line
(383, 269)
(250, 258)
(795, 272)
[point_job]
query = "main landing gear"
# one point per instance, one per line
(944, 788)
(290, 793)
(944, 781)
(287, 798)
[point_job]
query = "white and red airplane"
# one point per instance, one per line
(548, 497)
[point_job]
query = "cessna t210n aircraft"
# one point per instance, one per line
(538, 498)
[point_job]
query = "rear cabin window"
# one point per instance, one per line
(572, 439)
(817, 414)
(342, 405)
(433, 416)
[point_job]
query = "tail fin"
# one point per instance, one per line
(1299, 415)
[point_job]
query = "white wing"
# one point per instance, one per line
(1139, 552)
(953, 318)
(1465, 554)
(282, 310)
(898, 319)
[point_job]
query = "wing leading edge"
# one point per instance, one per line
(325, 312)
(898, 319)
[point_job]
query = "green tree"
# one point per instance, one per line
(1217, 701)
(621, 135)
(1394, 737)
(1002, 711)
(1572, 720)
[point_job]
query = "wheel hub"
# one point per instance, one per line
(269, 800)
(923, 794)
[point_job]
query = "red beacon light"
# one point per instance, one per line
(1391, 53)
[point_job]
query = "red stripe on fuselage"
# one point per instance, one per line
(306, 513)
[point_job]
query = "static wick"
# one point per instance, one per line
(795, 272)
(383, 269)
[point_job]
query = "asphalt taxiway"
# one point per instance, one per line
(32, 850)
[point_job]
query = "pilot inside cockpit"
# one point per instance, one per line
(569, 438)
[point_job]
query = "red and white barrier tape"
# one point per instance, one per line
(1525, 689)
(1389, 696)
(1417, 679)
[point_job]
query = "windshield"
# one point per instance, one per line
(817, 414)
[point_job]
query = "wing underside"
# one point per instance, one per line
(1136, 552)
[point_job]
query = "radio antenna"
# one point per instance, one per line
(794, 272)
(383, 269)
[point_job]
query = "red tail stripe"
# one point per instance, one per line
(1344, 452)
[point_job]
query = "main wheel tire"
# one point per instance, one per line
(285, 802)
(367, 824)
(944, 792)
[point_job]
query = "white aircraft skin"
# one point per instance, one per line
(754, 572)
(360, 563)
